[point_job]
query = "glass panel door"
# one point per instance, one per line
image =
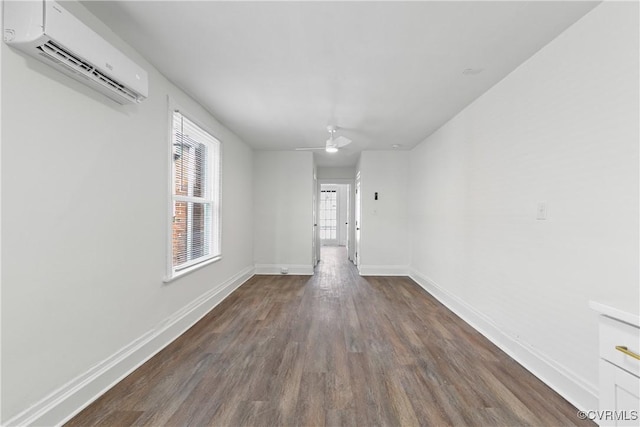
(328, 217)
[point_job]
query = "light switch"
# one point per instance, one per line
(541, 213)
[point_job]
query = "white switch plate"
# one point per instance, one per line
(541, 213)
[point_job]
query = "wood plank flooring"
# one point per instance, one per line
(333, 349)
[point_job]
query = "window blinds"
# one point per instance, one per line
(195, 194)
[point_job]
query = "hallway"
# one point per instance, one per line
(330, 349)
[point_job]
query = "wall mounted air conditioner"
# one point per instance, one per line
(48, 32)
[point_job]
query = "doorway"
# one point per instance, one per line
(334, 213)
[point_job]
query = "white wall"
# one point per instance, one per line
(84, 198)
(336, 173)
(560, 129)
(384, 242)
(282, 215)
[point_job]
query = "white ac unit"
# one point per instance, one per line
(48, 32)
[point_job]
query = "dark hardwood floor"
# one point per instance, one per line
(332, 349)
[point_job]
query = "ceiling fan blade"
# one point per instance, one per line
(341, 141)
(309, 149)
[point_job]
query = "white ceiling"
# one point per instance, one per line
(277, 73)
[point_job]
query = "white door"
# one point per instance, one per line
(316, 236)
(347, 199)
(343, 206)
(328, 218)
(357, 221)
(315, 252)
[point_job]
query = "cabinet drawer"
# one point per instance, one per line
(615, 333)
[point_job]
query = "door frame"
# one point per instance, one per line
(350, 213)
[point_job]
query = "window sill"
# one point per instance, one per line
(188, 270)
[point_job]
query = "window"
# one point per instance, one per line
(195, 228)
(328, 215)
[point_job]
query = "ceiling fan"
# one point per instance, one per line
(333, 143)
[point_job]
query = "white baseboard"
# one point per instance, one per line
(61, 405)
(302, 270)
(383, 270)
(577, 391)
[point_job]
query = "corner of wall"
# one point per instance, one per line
(68, 400)
(581, 394)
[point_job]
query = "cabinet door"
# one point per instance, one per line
(620, 397)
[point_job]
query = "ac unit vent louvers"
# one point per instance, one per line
(59, 54)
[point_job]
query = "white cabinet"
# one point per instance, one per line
(619, 396)
(619, 367)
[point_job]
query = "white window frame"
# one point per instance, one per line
(213, 196)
